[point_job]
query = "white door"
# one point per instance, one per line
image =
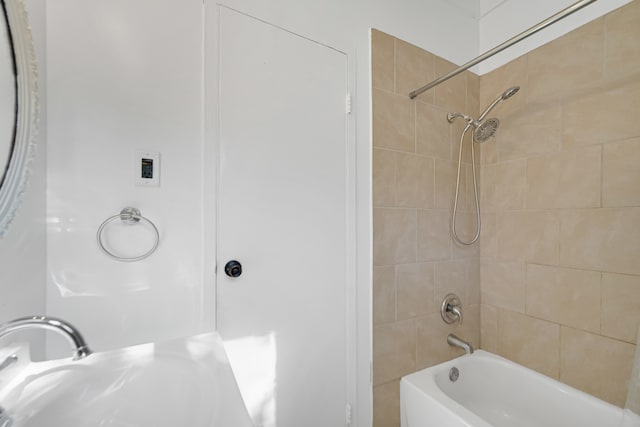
(282, 213)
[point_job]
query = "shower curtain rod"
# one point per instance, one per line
(523, 35)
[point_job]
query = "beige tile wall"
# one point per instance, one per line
(557, 269)
(416, 262)
(560, 269)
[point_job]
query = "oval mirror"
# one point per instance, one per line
(18, 106)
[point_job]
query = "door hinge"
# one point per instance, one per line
(348, 414)
(348, 103)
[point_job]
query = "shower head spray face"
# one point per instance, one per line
(486, 130)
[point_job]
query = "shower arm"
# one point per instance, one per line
(516, 39)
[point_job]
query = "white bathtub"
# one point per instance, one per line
(179, 383)
(494, 392)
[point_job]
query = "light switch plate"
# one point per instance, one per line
(146, 169)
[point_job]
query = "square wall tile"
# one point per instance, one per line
(384, 177)
(569, 179)
(394, 351)
(394, 236)
(415, 68)
(382, 60)
(473, 94)
(503, 284)
(450, 95)
(566, 296)
(596, 365)
(622, 55)
(493, 84)
(602, 115)
(414, 181)
(432, 131)
(451, 278)
(446, 184)
(503, 186)
(415, 290)
(488, 235)
(489, 328)
(489, 153)
(434, 241)
(530, 236)
(393, 121)
(432, 341)
(568, 62)
(601, 239)
(534, 129)
(465, 230)
(384, 295)
(386, 405)
(621, 173)
(620, 306)
(531, 342)
(473, 281)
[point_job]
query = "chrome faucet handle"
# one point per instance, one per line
(451, 309)
(457, 311)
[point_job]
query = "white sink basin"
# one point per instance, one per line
(186, 382)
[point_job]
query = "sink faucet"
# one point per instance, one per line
(80, 348)
(457, 342)
(5, 420)
(10, 360)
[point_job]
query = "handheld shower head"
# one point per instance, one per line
(482, 131)
(505, 95)
(510, 92)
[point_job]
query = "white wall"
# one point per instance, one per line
(123, 76)
(22, 249)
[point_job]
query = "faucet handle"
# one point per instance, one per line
(457, 311)
(451, 309)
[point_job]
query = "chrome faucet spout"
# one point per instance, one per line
(460, 343)
(80, 347)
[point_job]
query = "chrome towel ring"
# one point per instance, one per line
(129, 216)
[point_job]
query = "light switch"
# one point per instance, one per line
(147, 169)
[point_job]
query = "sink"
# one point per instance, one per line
(185, 382)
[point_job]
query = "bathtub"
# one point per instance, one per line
(184, 382)
(494, 392)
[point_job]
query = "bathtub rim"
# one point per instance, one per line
(424, 382)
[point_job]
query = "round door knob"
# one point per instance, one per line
(233, 268)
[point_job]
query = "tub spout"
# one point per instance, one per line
(80, 348)
(460, 343)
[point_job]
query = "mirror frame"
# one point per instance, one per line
(26, 131)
